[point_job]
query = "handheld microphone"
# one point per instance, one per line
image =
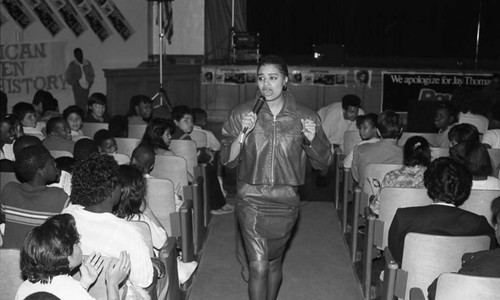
(258, 105)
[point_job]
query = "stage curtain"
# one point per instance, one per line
(218, 26)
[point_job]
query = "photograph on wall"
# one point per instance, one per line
(238, 78)
(18, 12)
(46, 16)
(296, 77)
(363, 78)
(118, 21)
(68, 13)
(93, 18)
(208, 77)
(341, 79)
(308, 78)
(251, 77)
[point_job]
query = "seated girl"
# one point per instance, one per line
(367, 125)
(416, 158)
(26, 113)
(73, 114)
(52, 251)
(158, 135)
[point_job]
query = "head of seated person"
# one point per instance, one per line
(463, 133)
(96, 106)
(350, 107)
(448, 181)
(118, 126)
(38, 99)
(183, 119)
(95, 183)
(50, 108)
(367, 125)
(105, 141)
(74, 115)
(10, 129)
(199, 117)
(66, 163)
(475, 157)
(84, 148)
(143, 157)
(133, 192)
(445, 116)
(35, 166)
(390, 125)
(58, 127)
(42, 296)
(158, 134)
(26, 113)
(416, 152)
(141, 106)
(23, 142)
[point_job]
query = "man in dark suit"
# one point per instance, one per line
(449, 184)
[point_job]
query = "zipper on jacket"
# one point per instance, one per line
(272, 152)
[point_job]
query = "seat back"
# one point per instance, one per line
(127, 145)
(60, 153)
(160, 197)
(10, 272)
(75, 138)
(121, 159)
(495, 160)
(479, 202)
(351, 139)
(425, 256)
(172, 167)
(376, 173)
(200, 138)
(437, 152)
(430, 137)
(186, 149)
(452, 286)
(89, 129)
(136, 130)
(390, 200)
(145, 232)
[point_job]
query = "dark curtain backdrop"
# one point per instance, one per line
(218, 26)
(418, 29)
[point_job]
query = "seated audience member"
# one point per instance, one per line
(83, 149)
(472, 109)
(38, 98)
(200, 123)
(10, 130)
(105, 141)
(118, 126)
(141, 110)
(367, 126)
(385, 151)
(25, 112)
(96, 106)
(476, 159)
(463, 133)
(66, 164)
(95, 191)
(19, 144)
(183, 119)
(143, 157)
(416, 158)
(158, 135)
(444, 119)
(448, 184)
(58, 135)
(484, 263)
(52, 251)
(27, 204)
(73, 114)
(50, 109)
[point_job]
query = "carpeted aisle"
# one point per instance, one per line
(316, 266)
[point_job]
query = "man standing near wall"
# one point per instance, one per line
(80, 75)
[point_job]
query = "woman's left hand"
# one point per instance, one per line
(308, 128)
(91, 268)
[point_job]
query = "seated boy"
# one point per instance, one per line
(95, 191)
(28, 204)
(105, 141)
(58, 135)
(367, 125)
(25, 112)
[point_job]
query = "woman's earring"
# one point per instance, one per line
(285, 87)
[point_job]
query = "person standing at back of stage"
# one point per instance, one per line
(271, 159)
(80, 75)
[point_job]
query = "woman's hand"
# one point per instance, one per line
(90, 269)
(118, 269)
(308, 128)
(248, 121)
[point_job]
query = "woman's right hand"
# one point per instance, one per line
(118, 269)
(248, 121)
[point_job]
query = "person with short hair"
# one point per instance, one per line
(183, 119)
(141, 110)
(58, 135)
(105, 141)
(80, 75)
(26, 113)
(200, 123)
(52, 251)
(448, 184)
(444, 119)
(96, 109)
(367, 125)
(84, 148)
(74, 115)
(143, 157)
(28, 203)
(10, 130)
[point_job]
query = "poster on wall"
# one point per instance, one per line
(18, 12)
(363, 78)
(28, 67)
(94, 19)
(70, 16)
(121, 25)
(399, 88)
(46, 16)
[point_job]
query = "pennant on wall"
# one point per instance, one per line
(167, 20)
(18, 12)
(70, 16)
(121, 25)
(46, 15)
(96, 22)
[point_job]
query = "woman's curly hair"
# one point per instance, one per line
(94, 179)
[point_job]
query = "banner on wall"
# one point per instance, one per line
(3, 19)
(46, 15)
(121, 25)
(28, 67)
(70, 16)
(18, 12)
(399, 88)
(94, 19)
